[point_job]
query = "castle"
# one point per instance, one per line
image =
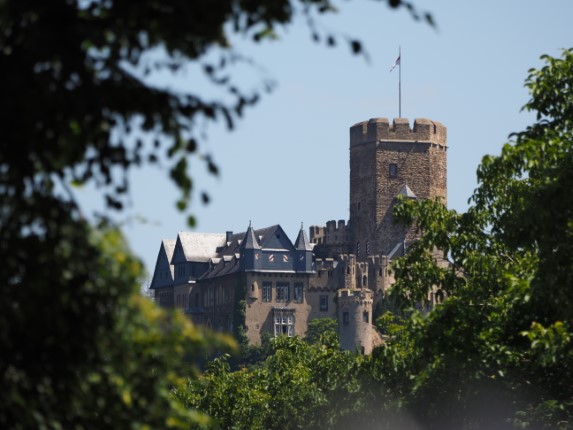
(259, 281)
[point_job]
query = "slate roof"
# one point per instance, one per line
(260, 239)
(222, 266)
(169, 247)
(201, 247)
(228, 259)
(163, 262)
(250, 240)
(302, 243)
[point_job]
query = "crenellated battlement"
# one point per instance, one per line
(333, 233)
(377, 129)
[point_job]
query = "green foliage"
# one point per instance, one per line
(297, 386)
(497, 352)
(389, 324)
(81, 348)
(323, 331)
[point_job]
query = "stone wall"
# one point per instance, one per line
(355, 320)
(384, 158)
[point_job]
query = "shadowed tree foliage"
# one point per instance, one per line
(323, 330)
(497, 353)
(78, 347)
(298, 386)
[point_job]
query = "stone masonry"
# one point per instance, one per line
(385, 160)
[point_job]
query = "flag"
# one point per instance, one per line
(397, 63)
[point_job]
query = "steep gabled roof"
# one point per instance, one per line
(199, 247)
(163, 263)
(274, 237)
(302, 243)
(250, 240)
(169, 246)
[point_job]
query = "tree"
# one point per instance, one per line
(497, 352)
(297, 386)
(323, 330)
(78, 346)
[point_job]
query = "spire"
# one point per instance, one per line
(250, 241)
(302, 243)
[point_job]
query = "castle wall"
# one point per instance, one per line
(262, 309)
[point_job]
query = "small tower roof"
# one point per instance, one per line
(250, 241)
(302, 243)
(406, 191)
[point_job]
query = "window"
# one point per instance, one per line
(284, 323)
(393, 170)
(267, 291)
(323, 303)
(365, 317)
(299, 292)
(282, 292)
(358, 249)
(345, 318)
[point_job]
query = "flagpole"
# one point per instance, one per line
(400, 82)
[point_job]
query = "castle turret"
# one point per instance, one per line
(387, 160)
(304, 251)
(355, 320)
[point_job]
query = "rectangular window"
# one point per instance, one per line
(345, 318)
(365, 317)
(323, 303)
(299, 292)
(267, 291)
(282, 292)
(393, 170)
(284, 324)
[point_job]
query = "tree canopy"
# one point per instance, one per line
(497, 352)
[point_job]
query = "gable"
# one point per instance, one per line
(178, 253)
(275, 238)
(163, 274)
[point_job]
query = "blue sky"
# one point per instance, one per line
(286, 162)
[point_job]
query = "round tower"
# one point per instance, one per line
(355, 320)
(387, 160)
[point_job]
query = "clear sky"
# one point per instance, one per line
(286, 162)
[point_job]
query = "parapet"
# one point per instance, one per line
(333, 233)
(380, 129)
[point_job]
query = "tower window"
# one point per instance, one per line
(393, 170)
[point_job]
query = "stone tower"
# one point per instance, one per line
(355, 320)
(387, 160)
